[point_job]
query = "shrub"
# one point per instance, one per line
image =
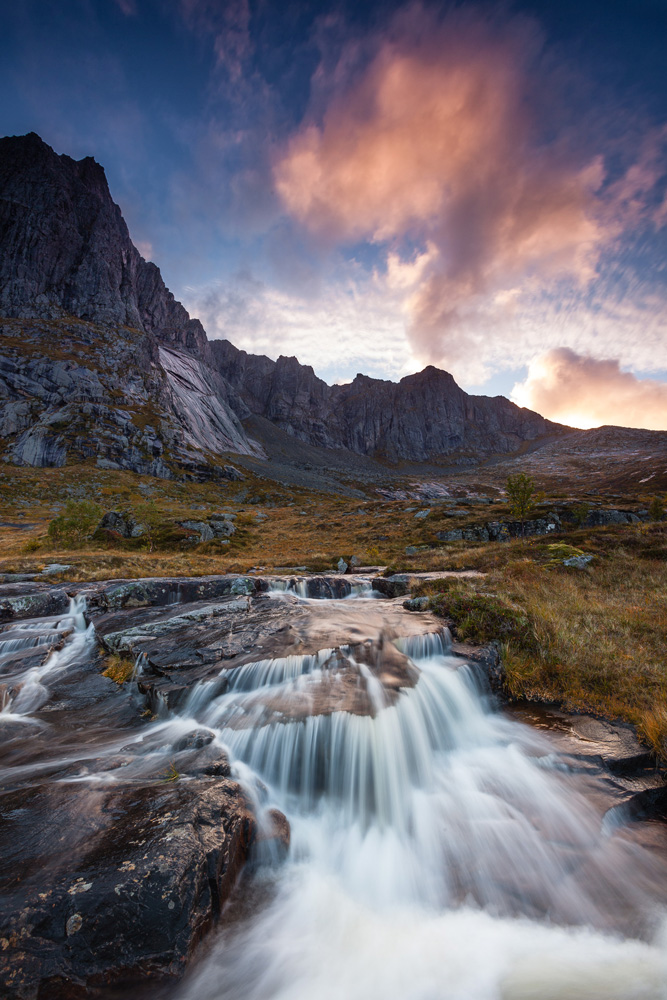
(484, 618)
(76, 523)
(657, 509)
(118, 668)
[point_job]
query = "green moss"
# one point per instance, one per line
(483, 618)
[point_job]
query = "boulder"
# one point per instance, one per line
(31, 602)
(204, 530)
(221, 528)
(455, 535)
(40, 448)
(397, 585)
(131, 900)
(121, 523)
(229, 472)
(416, 604)
(578, 562)
(600, 518)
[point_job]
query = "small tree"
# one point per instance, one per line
(657, 509)
(76, 523)
(148, 515)
(580, 512)
(520, 490)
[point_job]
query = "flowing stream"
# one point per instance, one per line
(440, 850)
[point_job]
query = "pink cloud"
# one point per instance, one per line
(434, 142)
(587, 392)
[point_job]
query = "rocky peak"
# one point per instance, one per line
(65, 249)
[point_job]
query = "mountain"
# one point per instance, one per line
(99, 362)
(422, 417)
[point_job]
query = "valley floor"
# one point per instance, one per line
(589, 639)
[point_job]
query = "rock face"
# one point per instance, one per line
(423, 416)
(65, 251)
(122, 908)
(97, 358)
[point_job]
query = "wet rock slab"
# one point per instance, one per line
(184, 644)
(114, 885)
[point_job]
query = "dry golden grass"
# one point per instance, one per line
(600, 634)
(597, 636)
(118, 668)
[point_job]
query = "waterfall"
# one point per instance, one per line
(30, 687)
(440, 851)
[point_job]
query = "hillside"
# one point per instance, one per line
(100, 363)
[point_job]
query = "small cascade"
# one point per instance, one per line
(140, 665)
(14, 640)
(362, 588)
(291, 585)
(426, 645)
(281, 670)
(323, 588)
(30, 687)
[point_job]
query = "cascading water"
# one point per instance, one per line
(439, 851)
(313, 588)
(30, 688)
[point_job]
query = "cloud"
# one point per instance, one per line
(226, 25)
(353, 324)
(433, 144)
(587, 392)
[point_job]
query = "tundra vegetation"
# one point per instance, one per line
(590, 638)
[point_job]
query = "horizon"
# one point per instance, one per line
(333, 217)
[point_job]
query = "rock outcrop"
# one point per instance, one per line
(422, 417)
(66, 249)
(65, 252)
(97, 358)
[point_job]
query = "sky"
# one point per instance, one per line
(374, 187)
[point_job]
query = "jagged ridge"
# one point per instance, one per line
(66, 251)
(424, 416)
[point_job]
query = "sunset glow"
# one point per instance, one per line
(381, 187)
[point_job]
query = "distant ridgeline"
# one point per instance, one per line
(99, 362)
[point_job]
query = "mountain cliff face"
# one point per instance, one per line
(422, 417)
(66, 249)
(99, 361)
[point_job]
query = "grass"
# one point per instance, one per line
(171, 773)
(592, 640)
(118, 668)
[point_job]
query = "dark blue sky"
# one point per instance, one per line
(375, 186)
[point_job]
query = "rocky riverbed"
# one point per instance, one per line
(283, 727)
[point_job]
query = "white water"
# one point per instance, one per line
(31, 687)
(299, 587)
(439, 852)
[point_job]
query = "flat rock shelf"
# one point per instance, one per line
(279, 788)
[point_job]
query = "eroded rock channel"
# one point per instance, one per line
(331, 749)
